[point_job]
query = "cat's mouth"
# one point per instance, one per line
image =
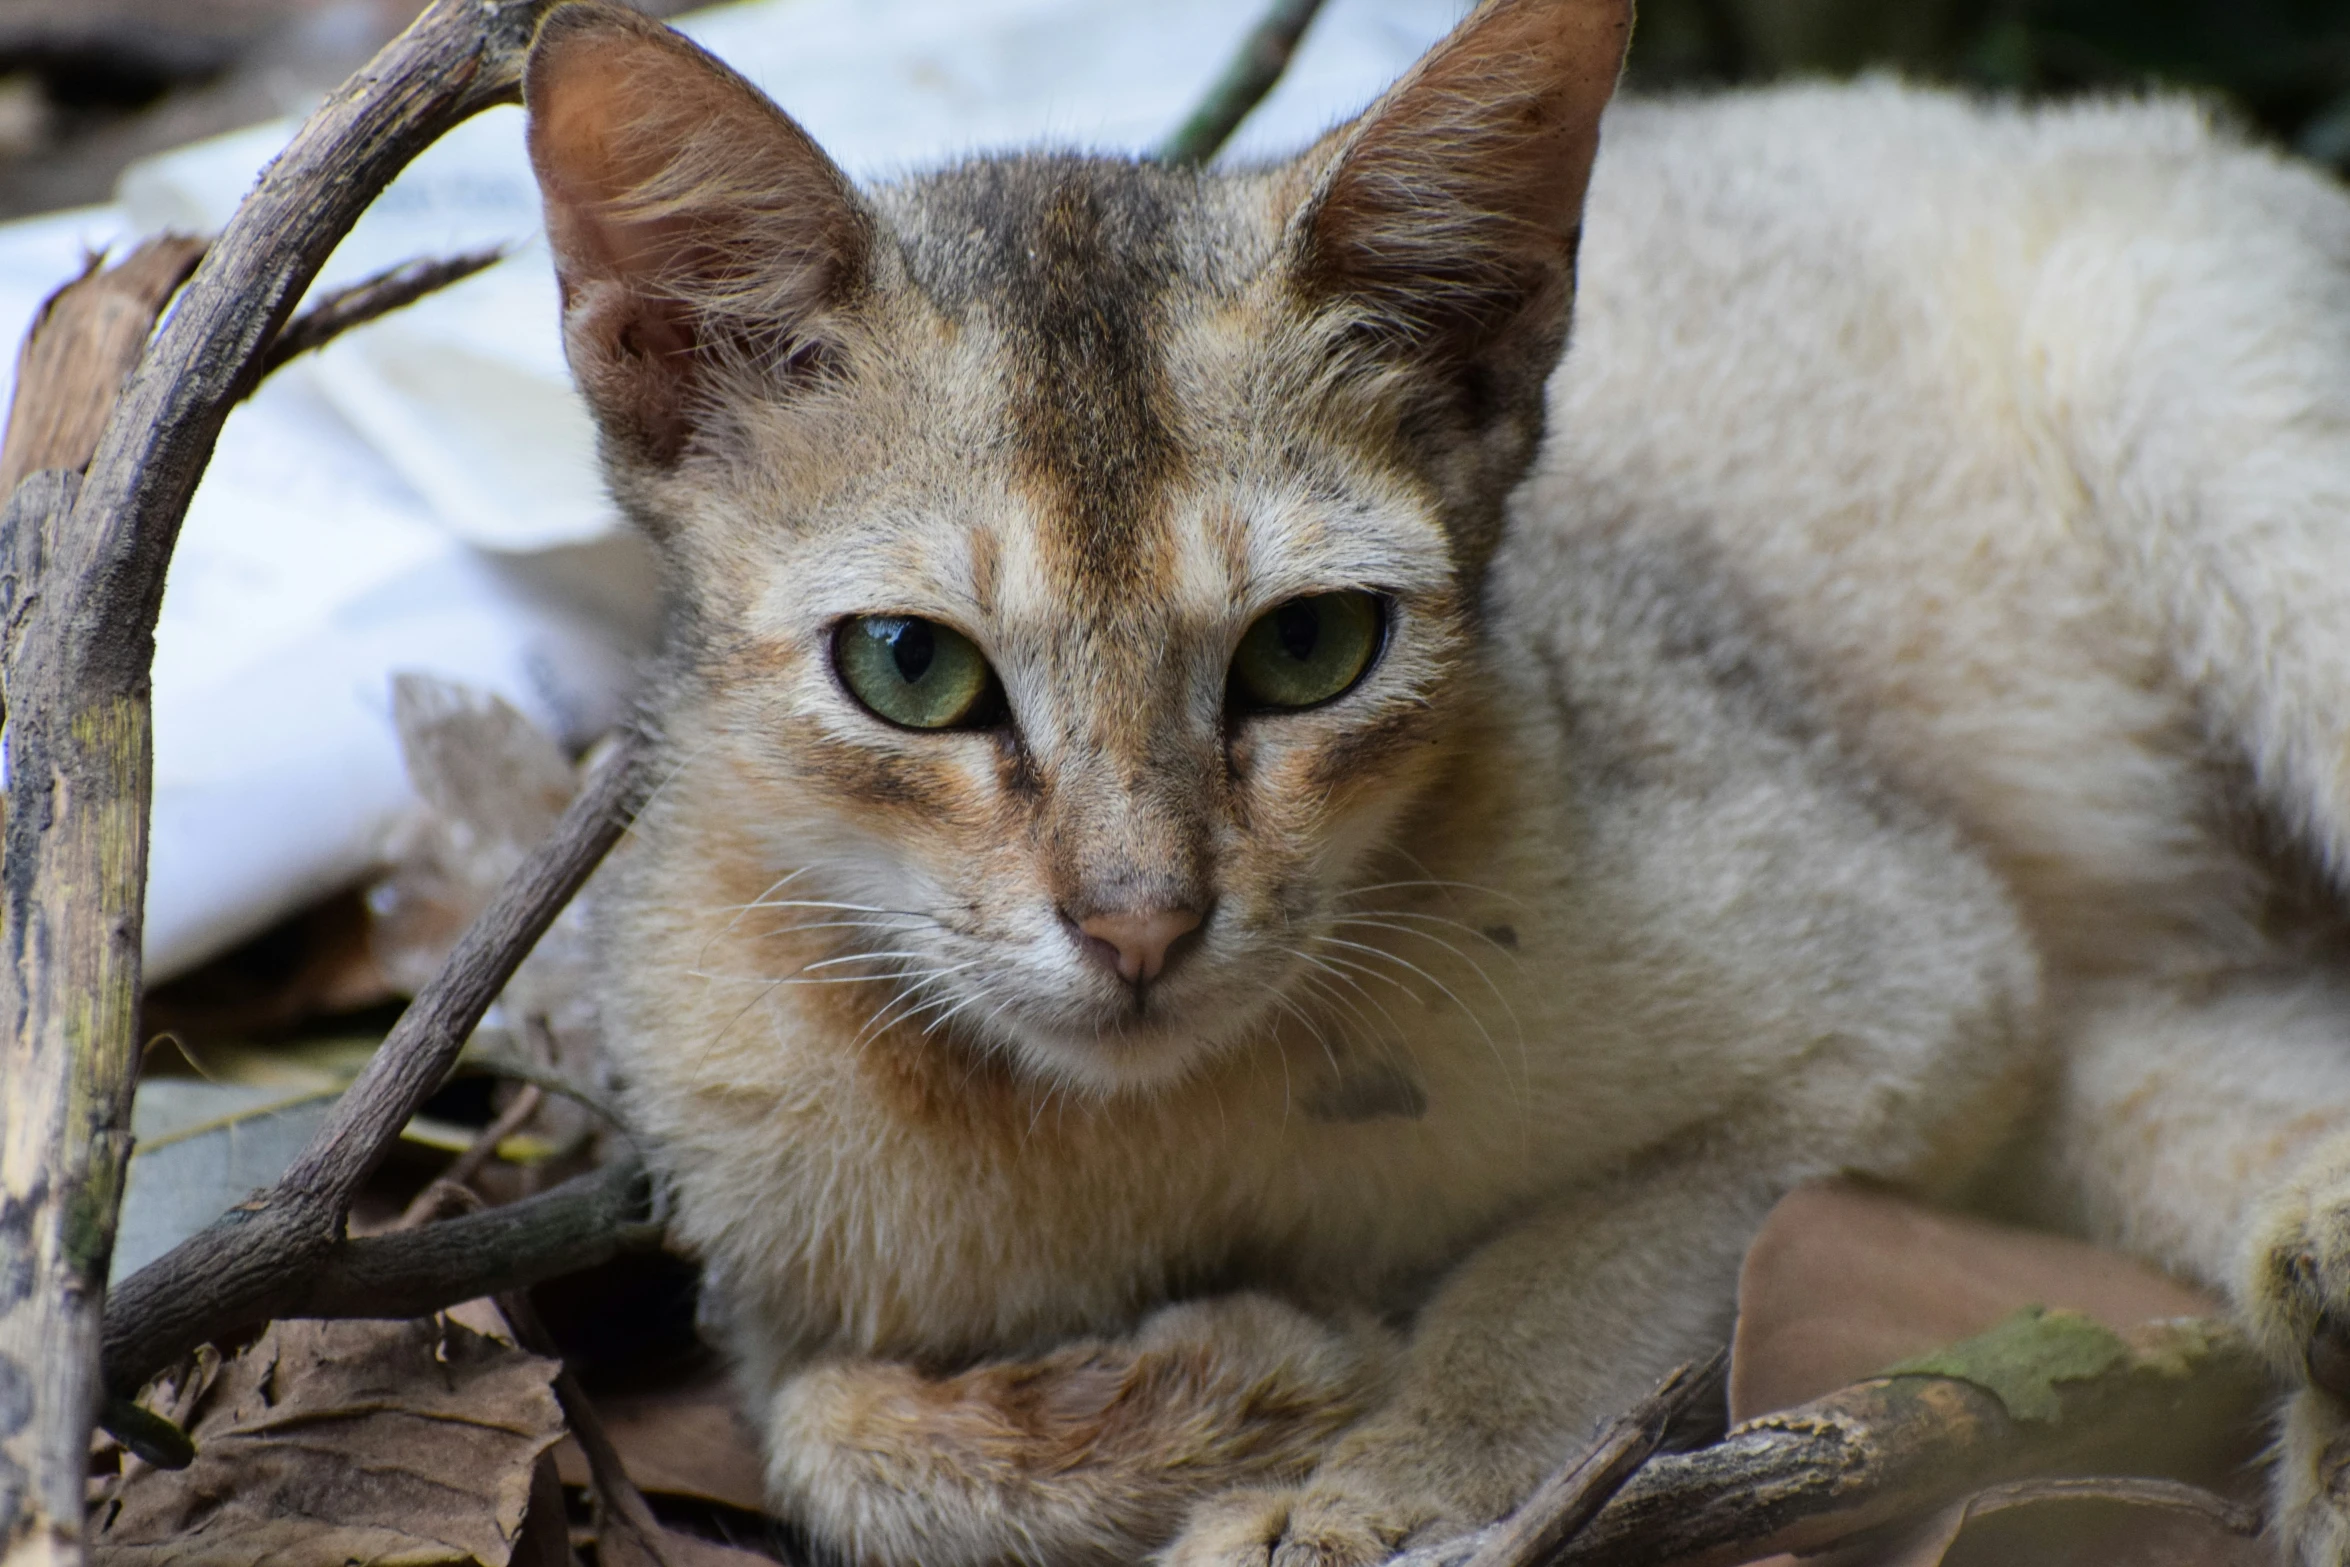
(1114, 1032)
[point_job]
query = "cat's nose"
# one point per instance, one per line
(1135, 942)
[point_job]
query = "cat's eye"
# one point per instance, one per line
(1307, 651)
(916, 673)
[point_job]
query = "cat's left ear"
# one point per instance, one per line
(698, 232)
(1445, 219)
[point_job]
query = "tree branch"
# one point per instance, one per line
(1571, 1498)
(1250, 75)
(1900, 1447)
(82, 606)
(368, 299)
(587, 1220)
(258, 1256)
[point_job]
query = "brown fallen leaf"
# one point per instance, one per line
(394, 1444)
(545, 1540)
(1846, 1280)
(490, 784)
(685, 1439)
(2079, 1523)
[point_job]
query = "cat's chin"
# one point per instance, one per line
(1128, 1057)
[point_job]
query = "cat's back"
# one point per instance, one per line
(1891, 353)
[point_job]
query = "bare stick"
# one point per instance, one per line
(370, 298)
(79, 762)
(477, 1154)
(255, 1257)
(587, 1220)
(1572, 1497)
(2170, 1495)
(1262, 57)
(1901, 1447)
(75, 770)
(629, 1534)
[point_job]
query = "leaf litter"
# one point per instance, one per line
(393, 1444)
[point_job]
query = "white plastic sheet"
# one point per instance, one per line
(422, 494)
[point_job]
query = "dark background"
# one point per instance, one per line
(2284, 65)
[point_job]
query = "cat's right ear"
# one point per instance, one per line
(697, 231)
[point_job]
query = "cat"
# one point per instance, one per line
(1261, 879)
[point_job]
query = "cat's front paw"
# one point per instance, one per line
(2310, 1495)
(1307, 1526)
(2297, 1276)
(2296, 1298)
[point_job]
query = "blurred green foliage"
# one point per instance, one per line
(2284, 64)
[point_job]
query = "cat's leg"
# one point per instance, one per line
(1092, 1452)
(2210, 1132)
(1557, 1324)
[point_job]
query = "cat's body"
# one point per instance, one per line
(1881, 734)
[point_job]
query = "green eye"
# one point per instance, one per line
(917, 673)
(1307, 650)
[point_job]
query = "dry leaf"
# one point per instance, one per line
(200, 1148)
(1844, 1281)
(491, 785)
(409, 1444)
(2068, 1523)
(683, 1440)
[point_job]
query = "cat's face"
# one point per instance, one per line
(1077, 559)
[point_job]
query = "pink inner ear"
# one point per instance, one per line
(664, 169)
(690, 218)
(1474, 166)
(610, 110)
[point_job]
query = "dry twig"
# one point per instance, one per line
(1571, 1498)
(1902, 1447)
(86, 567)
(1250, 75)
(627, 1535)
(370, 298)
(461, 1171)
(261, 1259)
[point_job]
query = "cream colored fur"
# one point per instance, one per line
(1901, 727)
(2029, 435)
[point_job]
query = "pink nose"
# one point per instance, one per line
(1136, 943)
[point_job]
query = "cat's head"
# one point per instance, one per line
(1074, 557)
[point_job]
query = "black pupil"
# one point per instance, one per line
(913, 647)
(1299, 626)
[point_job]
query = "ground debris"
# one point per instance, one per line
(405, 1444)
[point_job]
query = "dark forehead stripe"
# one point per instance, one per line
(1073, 259)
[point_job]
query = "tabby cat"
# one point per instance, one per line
(1260, 881)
